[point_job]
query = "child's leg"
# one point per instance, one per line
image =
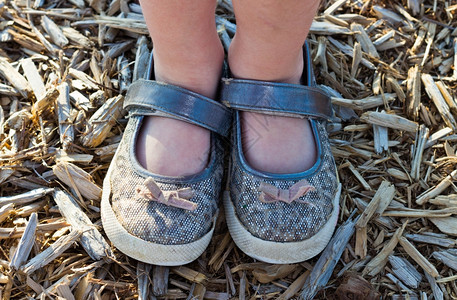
(187, 53)
(268, 46)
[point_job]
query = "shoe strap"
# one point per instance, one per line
(147, 96)
(276, 98)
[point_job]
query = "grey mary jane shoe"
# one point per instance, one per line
(158, 219)
(282, 218)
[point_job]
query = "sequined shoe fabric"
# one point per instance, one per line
(279, 221)
(155, 222)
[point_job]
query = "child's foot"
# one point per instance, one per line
(277, 144)
(165, 221)
(172, 147)
(281, 218)
(272, 144)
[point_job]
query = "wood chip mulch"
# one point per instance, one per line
(391, 68)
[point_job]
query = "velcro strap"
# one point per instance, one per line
(276, 98)
(147, 95)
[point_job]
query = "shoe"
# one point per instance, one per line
(163, 220)
(281, 218)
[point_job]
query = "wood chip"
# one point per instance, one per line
(380, 139)
(437, 135)
(319, 276)
(355, 287)
(405, 271)
(269, 273)
(413, 95)
(66, 129)
(14, 78)
(377, 263)
(387, 14)
(346, 49)
(365, 103)
(34, 79)
(54, 32)
(76, 37)
(421, 213)
(386, 193)
(390, 121)
(327, 28)
(160, 280)
(437, 190)
(88, 81)
(431, 238)
(91, 239)
(53, 251)
(26, 197)
(446, 225)
(78, 179)
(25, 244)
(63, 290)
(101, 122)
(447, 257)
(190, 274)
(364, 40)
(334, 7)
(143, 271)
(141, 59)
(437, 292)
(294, 287)
(422, 137)
(418, 257)
(358, 176)
(434, 93)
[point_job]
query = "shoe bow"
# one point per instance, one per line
(269, 193)
(179, 198)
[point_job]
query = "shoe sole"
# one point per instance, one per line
(277, 252)
(148, 252)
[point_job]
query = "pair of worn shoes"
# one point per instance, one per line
(276, 218)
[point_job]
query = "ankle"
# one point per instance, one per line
(248, 63)
(198, 71)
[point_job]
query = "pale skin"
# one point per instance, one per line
(187, 52)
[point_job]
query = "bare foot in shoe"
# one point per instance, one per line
(171, 147)
(278, 144)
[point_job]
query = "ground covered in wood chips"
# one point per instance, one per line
(391, 69)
